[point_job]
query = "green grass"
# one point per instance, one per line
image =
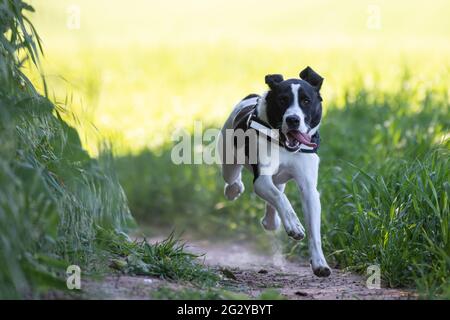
(385, 187)
(396, 217)
(166, 259)
(58, 205)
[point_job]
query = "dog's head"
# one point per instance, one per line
(294, 107)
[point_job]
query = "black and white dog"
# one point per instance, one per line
(291, 110)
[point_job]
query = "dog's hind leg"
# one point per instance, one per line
(233, 184)
(271, 220)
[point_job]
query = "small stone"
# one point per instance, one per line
(263, 271)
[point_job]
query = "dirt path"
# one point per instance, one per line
(250, 272)
(255, 272)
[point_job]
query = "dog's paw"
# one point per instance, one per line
(271, 222)
(296, 234)
(320, 268)
(234, 190)
(293, 227)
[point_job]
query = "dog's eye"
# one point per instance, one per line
(306, 101)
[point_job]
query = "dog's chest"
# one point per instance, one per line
(291, 165)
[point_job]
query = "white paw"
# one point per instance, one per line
(271, 222)
(234, 190)
(293, 227)
(320, 267)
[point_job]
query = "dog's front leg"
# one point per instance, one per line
(312, 211)
(265, 188)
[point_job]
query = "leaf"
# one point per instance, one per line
(118, 264)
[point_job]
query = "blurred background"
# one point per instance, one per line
(133, 72)
(140, 68)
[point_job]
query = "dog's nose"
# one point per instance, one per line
(293, 121)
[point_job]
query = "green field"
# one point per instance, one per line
(135, 72)
(137, 75)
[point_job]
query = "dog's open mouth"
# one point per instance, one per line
(295, 138)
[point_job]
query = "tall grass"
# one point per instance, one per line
(385, 186)
(57, 203)
(53, 194)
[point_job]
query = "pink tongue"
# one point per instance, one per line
(303, 138)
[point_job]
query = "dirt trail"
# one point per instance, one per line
(253, 272)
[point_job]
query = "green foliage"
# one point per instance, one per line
(396, 217)
(167, 259)
(59, 206)
(52, 193)
(384, 185)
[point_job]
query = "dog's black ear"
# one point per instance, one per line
(313, 78)
(273, 79)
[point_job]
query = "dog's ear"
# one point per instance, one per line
(273, 79)
(313, 78)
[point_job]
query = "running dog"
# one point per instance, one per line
(286, 120)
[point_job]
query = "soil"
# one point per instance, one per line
(248, 271)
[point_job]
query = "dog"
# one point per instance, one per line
(286, 119)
